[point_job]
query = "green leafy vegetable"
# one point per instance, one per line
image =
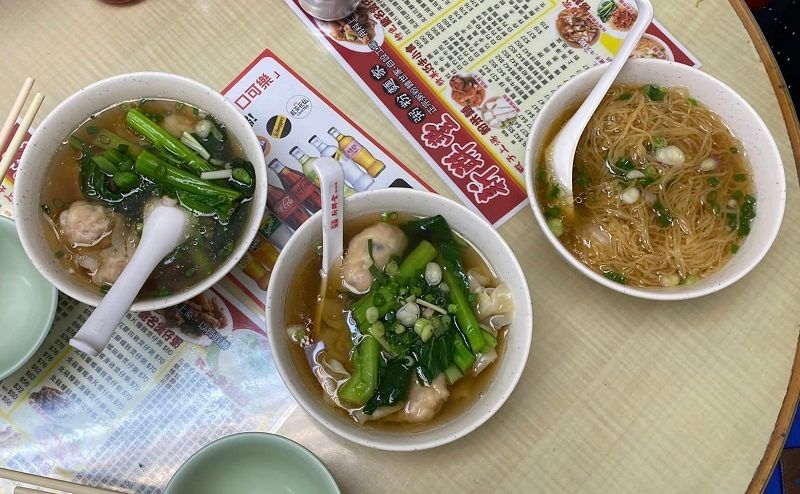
(746, 215)
(616, 277)
(393, 382)
(663, 216)
(655, 93)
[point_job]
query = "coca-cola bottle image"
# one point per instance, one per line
(298, 186)
(285, 207)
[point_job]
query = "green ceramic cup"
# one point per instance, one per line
(252, 463)
(27, 303)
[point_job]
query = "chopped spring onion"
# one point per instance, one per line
(195, 146)
(296, 333)
(391, 268)
(217, 162)
(709, 164)
(615, 276)
(662, 214)
(554, 212)
(372, 314)
(424, 329)
(691, 279)
(713, 181)
(216, 174)
(399, 328)
(389, 216)
(242, 176)
(377, 329)
(556, 226)
(740, 177)
(658, 142)
(670, 280)
(453, 374)
(734, 248)
(654, 92)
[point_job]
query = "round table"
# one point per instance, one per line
(620, 395)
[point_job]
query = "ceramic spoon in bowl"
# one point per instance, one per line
(560, 154)
(164, 228)
(331, 181)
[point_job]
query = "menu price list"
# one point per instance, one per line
(464, 79)
(168, 383)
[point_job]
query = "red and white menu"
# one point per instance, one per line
(295, 125)
(464, 79)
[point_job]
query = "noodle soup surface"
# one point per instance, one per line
(662, 189)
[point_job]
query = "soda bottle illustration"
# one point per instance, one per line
(307, 164)
(298, 186)
(255, 270)
(355, 151)
(352, 173)
(264, 251)
(285, 207)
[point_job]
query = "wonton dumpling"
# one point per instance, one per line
(387, 241)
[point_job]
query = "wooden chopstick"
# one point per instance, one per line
(48, 483)
(27, 490)
(16, 141)
(16, 109)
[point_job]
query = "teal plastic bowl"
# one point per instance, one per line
(27, 303)
(252, 463)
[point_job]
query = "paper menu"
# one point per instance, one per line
(286, 113)
(478, 73)
(163, 388)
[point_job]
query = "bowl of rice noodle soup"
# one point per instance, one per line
(105, 156)
(425, 326)
(678, 186)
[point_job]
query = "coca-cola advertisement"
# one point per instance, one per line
(296, 126)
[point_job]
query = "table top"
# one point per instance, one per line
(619, 395)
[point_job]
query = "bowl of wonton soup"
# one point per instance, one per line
(450, 424)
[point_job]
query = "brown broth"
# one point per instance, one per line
(61, 187)
(301, 301)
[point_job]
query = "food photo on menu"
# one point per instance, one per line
(320, 248)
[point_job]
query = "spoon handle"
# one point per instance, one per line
(578, 122)
(163, 231)
(331, 180)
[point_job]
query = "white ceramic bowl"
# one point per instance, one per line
(75, 110)
(485, 239)
(760, 149)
